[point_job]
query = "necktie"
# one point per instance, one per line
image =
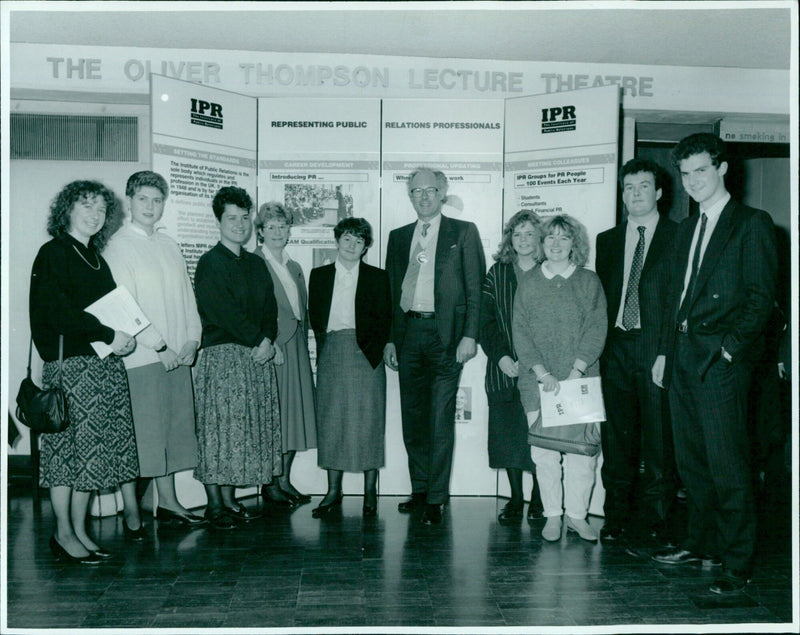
(412, 273)
(630, 313)
(684, 309)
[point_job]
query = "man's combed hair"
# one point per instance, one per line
(697, 144)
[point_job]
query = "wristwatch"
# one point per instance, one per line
(162, 349)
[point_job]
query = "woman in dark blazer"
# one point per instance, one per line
(350, 312)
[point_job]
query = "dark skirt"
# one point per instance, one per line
(351, 396)
(163, 417)
(238, 421)
(296, 392)
(98, 449)
(508, 435)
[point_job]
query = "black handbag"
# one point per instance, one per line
(43, 411)
(579, 438)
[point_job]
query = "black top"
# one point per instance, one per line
(235, 298)
(64, 282)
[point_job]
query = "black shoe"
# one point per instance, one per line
(369, 511)
(62, 554)
(324, 510)
(611, 532)
(240, 513)
(684, 556)
(432, 514)
(511, 514)
(168, 517)
(101, 553)
(730, 582)
(535, 511)
(284, 503)
(297, 499)
(218, 519)
(416, 501)
(134, 535)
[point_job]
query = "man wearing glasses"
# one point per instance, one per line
(436, 267)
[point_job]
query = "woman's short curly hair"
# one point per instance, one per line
(573, 228)
(358, 227)
(231, 195)
(58, 223)
(505, 253)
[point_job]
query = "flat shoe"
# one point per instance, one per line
(416, 501)
(277, 503)
(535, 512)
(511, 514)
(552, 529)
(582, 528)
(134, 535)
(297, 499)
(219, 519)
(324, 510)
(168, 516)
(369, 511)
(729, 584)
(240, 512)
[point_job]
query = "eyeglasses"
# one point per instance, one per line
(417, 192)
(276, 228)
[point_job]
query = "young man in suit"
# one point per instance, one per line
(436, 267)
(721, 294)
(632, 261)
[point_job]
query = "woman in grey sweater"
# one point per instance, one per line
(559, 332)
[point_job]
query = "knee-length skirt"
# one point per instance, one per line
(98, 449)
(351, 396)
(238, 421)
(296, 396)
(508, 435)
(163, 417)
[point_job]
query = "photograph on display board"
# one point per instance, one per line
(318, 204)
(464, 404)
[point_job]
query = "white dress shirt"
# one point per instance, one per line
(343, 301)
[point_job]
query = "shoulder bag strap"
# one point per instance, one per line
(30, 352)
(60, 360)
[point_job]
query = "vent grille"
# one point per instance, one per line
(74, 138)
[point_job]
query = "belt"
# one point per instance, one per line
(421, 315)
(682, 327)
(620, 332)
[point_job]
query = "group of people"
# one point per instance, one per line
(672, 321)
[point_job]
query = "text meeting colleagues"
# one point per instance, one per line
(653, 275)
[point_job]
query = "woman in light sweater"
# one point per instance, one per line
(150, 265)
(559, 332)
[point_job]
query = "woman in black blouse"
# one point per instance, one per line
(97, 450)
(236, 399)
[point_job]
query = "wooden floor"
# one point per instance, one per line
(295, 571)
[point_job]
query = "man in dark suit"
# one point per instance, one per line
(721, 294)
(436, 267)
(632, 264)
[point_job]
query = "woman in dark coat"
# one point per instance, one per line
(508, 426)
(350, 311)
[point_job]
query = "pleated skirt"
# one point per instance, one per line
(351, 400)
(98, 449)
(238, 420)
(296, 396)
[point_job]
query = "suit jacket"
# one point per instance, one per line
(287, 323)
(653, 282)
(734, 291)
(458, 276)
(373, 308)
